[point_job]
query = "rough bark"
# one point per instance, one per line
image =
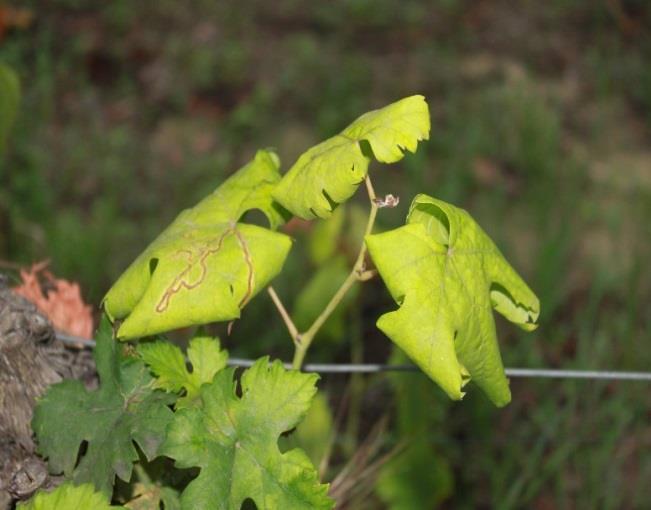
(31, 358)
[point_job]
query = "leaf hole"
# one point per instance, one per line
(232, 289)
(239, 391)
(331, 203)
(83, 448)
(366, 149)
(153, 264)
(248, 504)
(255, 217)
(284, 213)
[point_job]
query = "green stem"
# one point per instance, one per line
(357, 273)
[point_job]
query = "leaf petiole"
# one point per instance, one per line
(358, 273)
(291, 327)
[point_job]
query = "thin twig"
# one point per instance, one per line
(291, 327)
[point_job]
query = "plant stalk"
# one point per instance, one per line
(358, 273)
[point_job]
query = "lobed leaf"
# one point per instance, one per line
(125, 408)
(166, 361)
(330, 172)
(206, 265)
(235, 442)
(446, 275)
(69, 497)
(315, 434)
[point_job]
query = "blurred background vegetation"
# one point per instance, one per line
(541, 128)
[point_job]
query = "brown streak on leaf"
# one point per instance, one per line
(247, 259)
(180, 282)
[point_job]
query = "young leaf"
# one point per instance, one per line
(235, 442)
(124, 409)
(69, 497)
(166, 361)
(205, 266)
(331, 171)
(9, 98)
(446, 274)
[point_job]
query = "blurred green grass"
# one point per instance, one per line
(541, 127)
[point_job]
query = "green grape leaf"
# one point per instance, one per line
(206, 265)
(446, 274)
(125, 408)
(69, 497)
(9, 99)
(315, 434)
(166, 361)
(235, 442)
(330, 172)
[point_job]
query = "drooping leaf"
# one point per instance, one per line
(206, 265)
(446, 275)
(125, 408)
(330, 172)
(9, 98)
(166, 361)
(69, 497)
(235, 442)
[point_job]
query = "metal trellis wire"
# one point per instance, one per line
(368, 368)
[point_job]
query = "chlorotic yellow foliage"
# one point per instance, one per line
(447, 275)
(206, 265)
(330, 172)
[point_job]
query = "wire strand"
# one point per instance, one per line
(370, 368)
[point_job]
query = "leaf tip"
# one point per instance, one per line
(270, 155)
